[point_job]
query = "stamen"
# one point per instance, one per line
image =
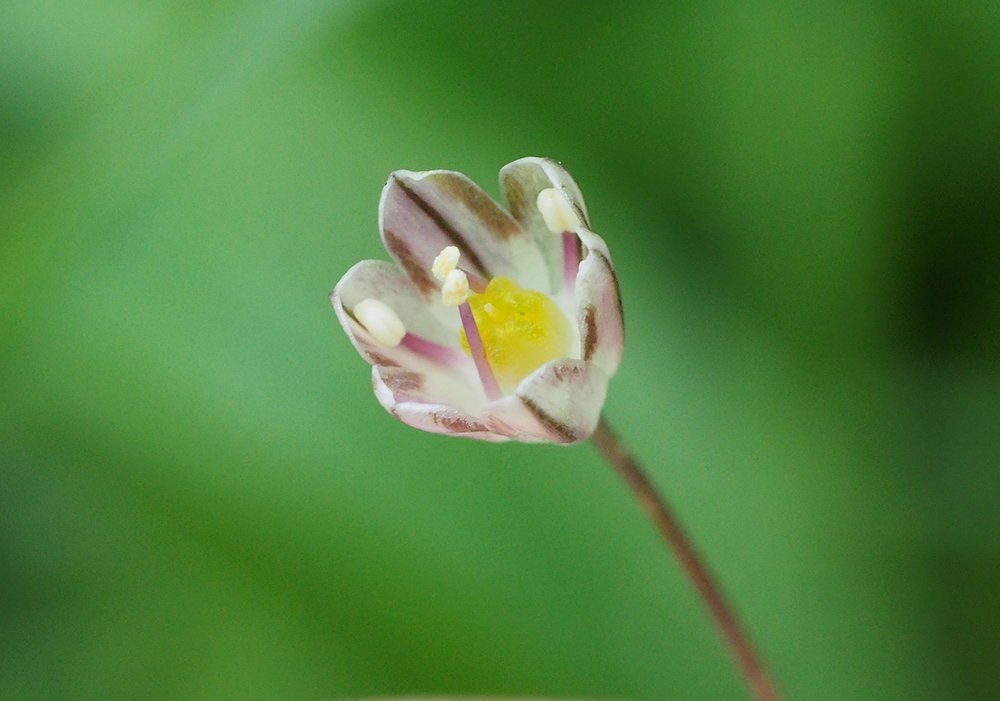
(380, 321)
(385, 326)
(446, 261)
(454, 293)
(561, 218)
(557, 211)
(455, 289)
(478, 352)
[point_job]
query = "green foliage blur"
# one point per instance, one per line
(201, 499)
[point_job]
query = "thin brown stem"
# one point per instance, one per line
(609, 445)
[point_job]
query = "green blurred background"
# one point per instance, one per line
(201, 499)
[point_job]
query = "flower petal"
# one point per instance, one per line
(558, 403)
(421, 213)
(599, 306)
(402, 394)
(521, 181)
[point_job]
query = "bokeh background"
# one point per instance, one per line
(200, 498)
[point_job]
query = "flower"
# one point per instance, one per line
(494, 324)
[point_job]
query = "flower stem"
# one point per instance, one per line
(611, 448)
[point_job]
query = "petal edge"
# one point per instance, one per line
(559, 403)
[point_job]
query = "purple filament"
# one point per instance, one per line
(478, 352)
(429, 349)
(571, 260)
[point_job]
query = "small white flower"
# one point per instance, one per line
(495, 324)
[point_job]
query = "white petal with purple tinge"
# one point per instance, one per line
(427, 416)
(425, 380)
(558, 403)
(598, 306)
(422, 213)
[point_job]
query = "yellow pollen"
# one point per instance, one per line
(521, 330)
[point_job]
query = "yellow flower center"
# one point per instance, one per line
(521, 330)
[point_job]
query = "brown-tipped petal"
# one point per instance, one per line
(521, 181)
(422, 213)
(599, 306)
(559, 403)
(404, 395)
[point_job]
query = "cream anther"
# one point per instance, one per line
(446, 261)
(380, 321)
(455, 289)
(556, 210)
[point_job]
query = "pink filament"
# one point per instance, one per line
(571, 260)
(478, 351)
(429, 349)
